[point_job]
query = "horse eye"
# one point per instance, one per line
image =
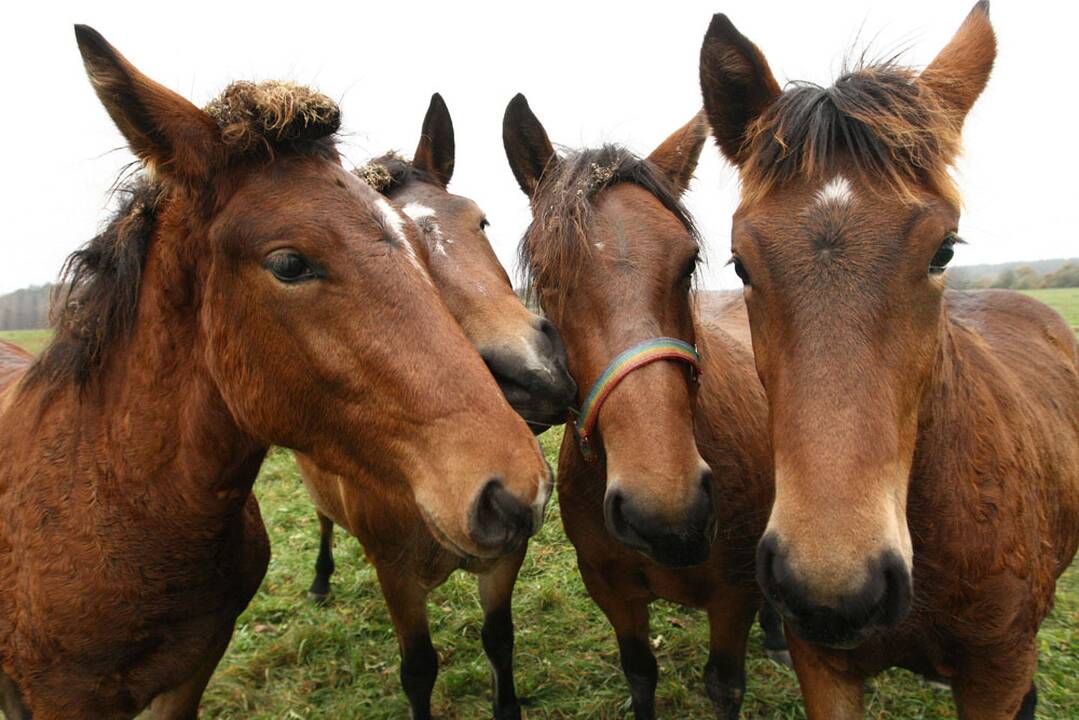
(944, 254)
(289, 266)
(740, 271)
(484, 224)
(690, 268)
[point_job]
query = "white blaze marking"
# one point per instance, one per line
(426, 218)
(395, 224)
(837, 192)
(417, 211)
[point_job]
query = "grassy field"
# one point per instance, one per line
(32, 340)
(289, 659)
(1064, 300)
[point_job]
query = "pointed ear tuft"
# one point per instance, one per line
(736, 83)
(171, 136)
(959, 72)
(677, 156)
(528, 149)
(435, 152)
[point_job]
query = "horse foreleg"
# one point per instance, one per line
(829, 693)
(496, 594)
(324, 565)
(775, 642)
(998, 686)
(730, 618)
(407, 603)
(629, 618)
(182, 702)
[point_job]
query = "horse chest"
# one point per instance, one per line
(105, 632)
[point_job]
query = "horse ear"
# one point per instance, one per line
(435, 151)
(677, 156)
(959, 73)
(170, 135)
(528, 149)
(736, 83)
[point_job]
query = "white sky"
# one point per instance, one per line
(592, 71)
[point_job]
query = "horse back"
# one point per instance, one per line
(14, 362)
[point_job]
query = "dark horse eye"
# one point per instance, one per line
(289, 266)
(690, 268)
(740, 271)
(944, 254)
(484, 224)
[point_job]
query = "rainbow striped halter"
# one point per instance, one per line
(641, 354)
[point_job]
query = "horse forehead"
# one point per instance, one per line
(628, 216)
(313, 197)
(426, 200)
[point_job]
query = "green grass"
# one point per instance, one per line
(32, 340)
(289, 659)
(1064, 300)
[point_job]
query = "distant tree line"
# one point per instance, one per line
(1017, 277)
(25, 309)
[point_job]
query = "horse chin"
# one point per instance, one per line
(830, 635)
(539, 415)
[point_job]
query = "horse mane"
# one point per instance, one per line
(391, 172)
(95, 301)
(555, 244)
(876, 117)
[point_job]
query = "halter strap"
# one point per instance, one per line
(641, 354)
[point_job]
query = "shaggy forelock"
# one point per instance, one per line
(875, 121)
(555, 245)
(274, 115)
(391, 172)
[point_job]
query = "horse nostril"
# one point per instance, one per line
(612, 512)
(767, 551)
(708, 505)
(548, 329)
(500, 521)
(897, 589)
(618, 524)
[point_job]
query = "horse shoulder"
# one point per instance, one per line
(995, 483)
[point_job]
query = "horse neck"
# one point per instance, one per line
(956, 440)
(152, 424)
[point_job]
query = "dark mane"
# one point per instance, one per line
(96, 298)
(95, 302)
(875, 120)
(555, 244)
(391, 172)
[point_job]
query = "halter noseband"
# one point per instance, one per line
(641, 354)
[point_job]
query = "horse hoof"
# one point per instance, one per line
(318, 599)
(783, 657)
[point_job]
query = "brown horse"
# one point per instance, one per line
(926, 441)
(611, 252)
(251, 292)
(525, 354)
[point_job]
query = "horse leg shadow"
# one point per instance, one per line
(12, 700)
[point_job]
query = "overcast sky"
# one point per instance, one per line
(592, 72)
